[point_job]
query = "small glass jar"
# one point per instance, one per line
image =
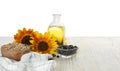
(56, 28)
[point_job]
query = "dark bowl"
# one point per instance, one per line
(67, 51)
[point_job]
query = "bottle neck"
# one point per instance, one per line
(56, 17)
(56, 20)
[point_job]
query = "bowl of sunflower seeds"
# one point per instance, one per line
(67, 50)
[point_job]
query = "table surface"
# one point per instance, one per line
(94, 54)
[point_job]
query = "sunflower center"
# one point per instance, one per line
(26, 40)
(42, 46)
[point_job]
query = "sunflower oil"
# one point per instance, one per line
(58, 33)
(56, 28)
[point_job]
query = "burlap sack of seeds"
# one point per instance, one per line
(14, 50)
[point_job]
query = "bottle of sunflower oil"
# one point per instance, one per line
(56, 28)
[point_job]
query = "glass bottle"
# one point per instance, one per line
(56, 28)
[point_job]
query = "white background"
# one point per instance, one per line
(80, 17)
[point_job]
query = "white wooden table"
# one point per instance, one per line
(94, 54)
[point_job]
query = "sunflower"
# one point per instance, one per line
(45, 44)
(25, 36)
